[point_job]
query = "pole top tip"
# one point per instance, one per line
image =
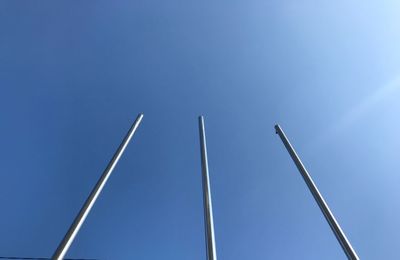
(277, 127)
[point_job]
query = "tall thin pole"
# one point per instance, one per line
(80, 218)
(341, 237)
(208, 215)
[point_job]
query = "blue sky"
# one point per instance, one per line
(74, 75)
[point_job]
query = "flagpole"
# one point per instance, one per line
(208, 214)
(80, 218)
(341, 237)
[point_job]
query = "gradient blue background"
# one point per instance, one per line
(74, 75)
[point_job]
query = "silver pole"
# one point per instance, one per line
(80, 218)
(208, 215)
(341, 237)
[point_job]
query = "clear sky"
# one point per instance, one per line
(74, 75)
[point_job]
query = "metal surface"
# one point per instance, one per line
(208, 215)
(80, 218)
(341, 237)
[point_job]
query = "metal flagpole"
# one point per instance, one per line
(341, 237)
(80, 218)
(208, 215)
